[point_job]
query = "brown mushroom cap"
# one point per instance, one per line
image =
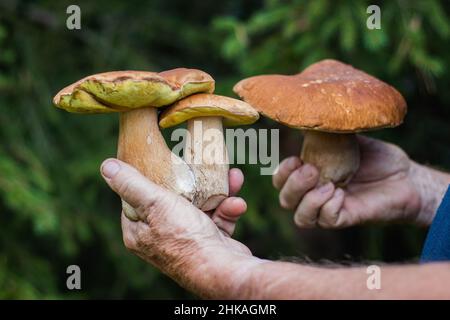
(234, 111)
(327, 96)
(126, 90)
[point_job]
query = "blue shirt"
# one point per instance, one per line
(437, 243)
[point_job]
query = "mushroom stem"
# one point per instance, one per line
(207, 155)
(336, 155)
(142, 146)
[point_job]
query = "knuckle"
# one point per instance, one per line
(313, 201)
(301, 180)
(298, 220)
(296, 180)
(149, 206)
(302, 221)
(129, 241)
(124, 186)
(294, 186)
(142, 235)
(309, 174)
(276, 181)
(283, 164)
(328, 219)
(155, 204)
(291, 163)
(284, 203)
(334, 219)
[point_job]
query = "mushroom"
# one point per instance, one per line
(205, 150)
(137, 95)
(329, 101)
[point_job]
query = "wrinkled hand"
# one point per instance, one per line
(381, 190)
(172, 234)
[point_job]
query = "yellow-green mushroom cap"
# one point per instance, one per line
(118, 91)
(233, 111)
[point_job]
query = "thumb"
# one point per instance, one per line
(131, 185)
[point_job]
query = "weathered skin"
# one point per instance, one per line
(205, 260)
(387, 187)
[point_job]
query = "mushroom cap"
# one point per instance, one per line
(117, 91)
(234, 111)
(327, 96)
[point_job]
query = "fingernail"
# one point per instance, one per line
(339, 192)
(292, 162)
(110, 168)
(307, 170)
(235, 200)
(325, 188)
(239, 201)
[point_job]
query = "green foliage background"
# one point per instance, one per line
(54, 208)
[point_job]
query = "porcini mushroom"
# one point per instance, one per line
(329, 101)
(205, 150)
(137, 95)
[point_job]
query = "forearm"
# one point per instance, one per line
(216, 273)
(431, 185)
(219, 274)
(283, 280)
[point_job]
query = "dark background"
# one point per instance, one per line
(55, 210)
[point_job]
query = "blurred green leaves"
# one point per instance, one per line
(302, 32)
(26, 187)
(54, 208)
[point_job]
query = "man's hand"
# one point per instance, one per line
(184, 243)
(388, 186)
(190, 246)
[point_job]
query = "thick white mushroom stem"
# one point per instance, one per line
(336, 155)
(206, 153)
(142, 146)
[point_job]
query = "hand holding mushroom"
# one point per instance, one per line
(136, 95)
(330, 101)
(199, 254)
(205, 150)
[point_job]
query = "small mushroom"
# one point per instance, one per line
(205, 150)
(329, 101)
(137, 95)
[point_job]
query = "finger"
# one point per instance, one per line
(132, 186)
(129, 229)
(364, 141)
(299, 182)
(329, 213)
(231, 208)
(132, 238)
(236, 180)
(228, 213)
(285, 168)
(307, 212)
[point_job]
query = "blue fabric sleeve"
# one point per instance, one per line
(437, 243)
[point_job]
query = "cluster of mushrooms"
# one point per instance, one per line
(329, 101)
